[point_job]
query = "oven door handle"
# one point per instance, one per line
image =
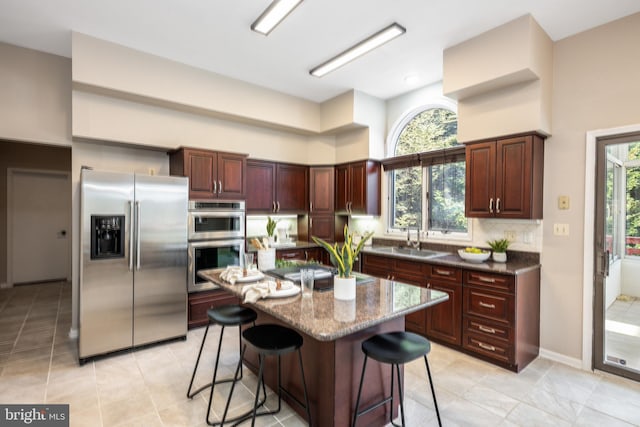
(190, 263)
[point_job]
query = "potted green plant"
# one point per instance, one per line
(499, 248)
(343, 257)
(271, 229)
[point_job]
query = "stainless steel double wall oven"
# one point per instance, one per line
(216, 238)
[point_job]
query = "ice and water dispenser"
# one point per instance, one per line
(107, 236)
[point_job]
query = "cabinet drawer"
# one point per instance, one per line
(487, 328)
(492, 348)
(200, 302)
(496, 282)
(445, 273)
(290, 254)
(377, 262)
(409, 268)
(491, 305)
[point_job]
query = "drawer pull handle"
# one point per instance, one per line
(485, 305)
(443, 272)
(487, 330)
(486, 346)
(486, 279)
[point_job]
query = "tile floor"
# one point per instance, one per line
(622, 331)
(38, 364)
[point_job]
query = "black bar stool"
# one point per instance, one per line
(394, 348)
(226, 315)
(270, 340)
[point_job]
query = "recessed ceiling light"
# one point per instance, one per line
(271, 17)
(378, 39)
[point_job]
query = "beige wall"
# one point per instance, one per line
(108, 66)
(35, 105)
(502, 80)
(25, 156)
(596, 86)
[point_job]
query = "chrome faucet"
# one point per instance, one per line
(415, 244)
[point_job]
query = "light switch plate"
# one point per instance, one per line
(510, 235)
(561, 229)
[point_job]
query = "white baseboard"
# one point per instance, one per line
(561, 358)
(5, 286)
(73, 333)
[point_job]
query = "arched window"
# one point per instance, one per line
(427, 173)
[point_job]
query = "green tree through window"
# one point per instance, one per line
(442, 208)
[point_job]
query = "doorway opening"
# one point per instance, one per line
(38, 226)
(616, 305)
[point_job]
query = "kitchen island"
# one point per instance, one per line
(333, 331)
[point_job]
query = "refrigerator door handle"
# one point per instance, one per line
(130, 235)
(137, 235)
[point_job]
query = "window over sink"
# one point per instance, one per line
(426, 172)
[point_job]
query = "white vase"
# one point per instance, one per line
(500, 256)
(344, 288)
(266, 259)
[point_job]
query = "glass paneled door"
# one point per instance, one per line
(617, 256)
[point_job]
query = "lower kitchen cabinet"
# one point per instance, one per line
(305, 254)
(200, 302)
(443, 321)
(492, 316)
(501, 317)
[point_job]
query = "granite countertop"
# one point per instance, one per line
(514, 267)
(296, 244)
(325, 318)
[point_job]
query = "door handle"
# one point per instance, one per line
(491, 205)
(605, 263)
(498, 205)
(137, 235)
(278, 204)
(215, 187)
(310, 206)
(219, 187)
(131, 235)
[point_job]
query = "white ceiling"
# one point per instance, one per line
(215, 35)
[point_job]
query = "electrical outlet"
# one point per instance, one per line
(510, 235)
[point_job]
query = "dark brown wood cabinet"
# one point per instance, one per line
(200, 302)
(305, 254)
(212, 174)
(501, 317)
(276, 187)
(492, 316)
(505, 177)
(357, 188)
(321, 190)
(443, 321)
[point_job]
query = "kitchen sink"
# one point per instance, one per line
(418, 253)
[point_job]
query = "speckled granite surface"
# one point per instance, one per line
(513, 265)
(325, 318)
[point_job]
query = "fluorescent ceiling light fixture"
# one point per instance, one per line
(271, 17)
(378, 39)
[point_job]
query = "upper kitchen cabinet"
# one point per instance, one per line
(276, 187)
(212, 174)
(358, 188)
(321, 190)
(504, 177)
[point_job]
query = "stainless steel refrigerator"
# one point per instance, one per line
(133, 261)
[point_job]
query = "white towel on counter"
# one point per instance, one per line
(232, 273)
(256, 291)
